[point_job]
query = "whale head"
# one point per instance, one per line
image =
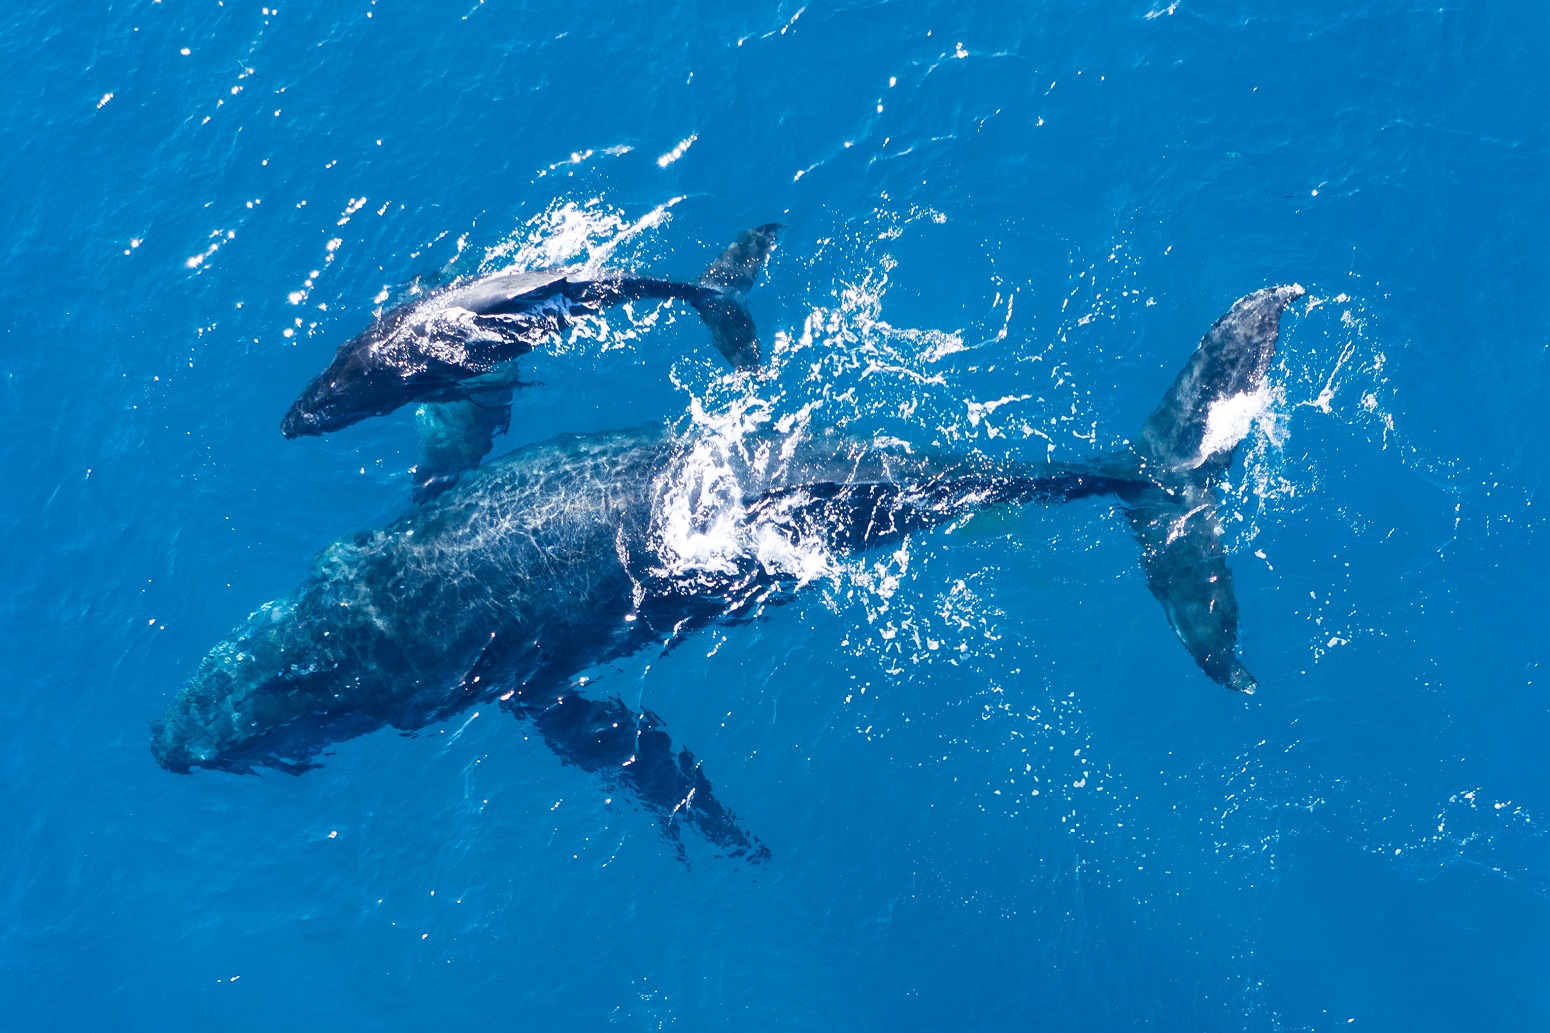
(271, 695)
(371, 375)
(351, 389)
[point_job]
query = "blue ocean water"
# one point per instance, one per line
(997, 793)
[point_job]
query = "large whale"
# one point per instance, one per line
(563, 555)
(456, 344)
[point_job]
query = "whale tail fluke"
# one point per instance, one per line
(1166, 484)
(1186, 570)
(1184, 447)
(1206, 411)
(724, 305)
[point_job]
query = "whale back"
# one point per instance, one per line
(503, 292)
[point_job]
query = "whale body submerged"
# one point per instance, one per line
(559, 556)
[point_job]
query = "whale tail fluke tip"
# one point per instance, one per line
(1237, 677)
(735, 269)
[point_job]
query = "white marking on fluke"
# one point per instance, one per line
(1230, 419)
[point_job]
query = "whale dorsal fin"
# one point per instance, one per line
(1208, 409)
(509, 292)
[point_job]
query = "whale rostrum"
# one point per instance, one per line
(564, 555)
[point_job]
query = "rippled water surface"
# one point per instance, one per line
(996, 792)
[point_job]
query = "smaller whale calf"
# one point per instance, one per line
(456, 343)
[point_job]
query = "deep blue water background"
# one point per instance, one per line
(1359, 845)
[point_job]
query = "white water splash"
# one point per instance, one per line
(678, 151)
(1330, 363)
(584, 236)
(701, 522)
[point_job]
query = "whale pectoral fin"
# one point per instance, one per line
(1207, 410)
(1186, 569)
(633, 754)
(456, 436)
(673, 784)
